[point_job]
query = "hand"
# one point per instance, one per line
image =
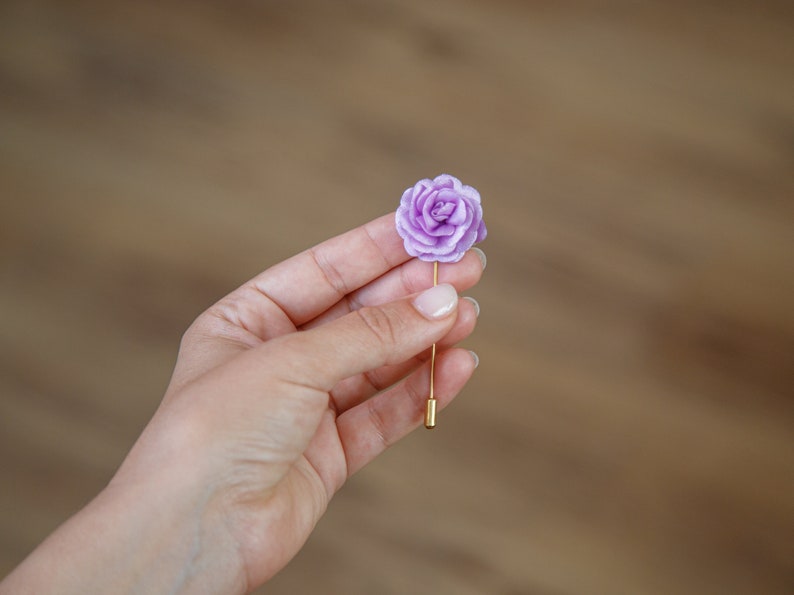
(275, 401)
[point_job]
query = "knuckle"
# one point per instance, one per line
(192, 333)
(206, 325)
(384, 325)
(416, 397)
(378, 424)
(204, 322)
(333, 277)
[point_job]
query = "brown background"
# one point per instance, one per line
(630, 428)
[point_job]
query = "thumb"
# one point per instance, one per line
(369, 338)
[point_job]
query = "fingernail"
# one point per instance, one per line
(482, 256)
(474, 303)
(476, 359)
(437, 301)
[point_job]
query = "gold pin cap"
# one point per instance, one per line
(430, 414)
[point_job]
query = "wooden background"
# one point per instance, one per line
(631, 426)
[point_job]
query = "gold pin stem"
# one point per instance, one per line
(430, 409)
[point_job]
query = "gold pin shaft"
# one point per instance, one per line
(430, 407)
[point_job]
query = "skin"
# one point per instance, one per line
(278, 396)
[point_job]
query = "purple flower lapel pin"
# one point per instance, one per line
(439, 220)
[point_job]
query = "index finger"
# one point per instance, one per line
(309, 283)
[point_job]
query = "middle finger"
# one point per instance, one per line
(357, 389)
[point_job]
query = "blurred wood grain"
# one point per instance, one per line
(631, 426)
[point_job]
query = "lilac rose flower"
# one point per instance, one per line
(440, 219)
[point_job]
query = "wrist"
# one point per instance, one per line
(168, 538)
(162, 536)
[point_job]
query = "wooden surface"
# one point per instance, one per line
(631, 426)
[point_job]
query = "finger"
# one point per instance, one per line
(409, 278)
(363, 340)
(286, 381)
(356, 389)
(311, 282)
(296, 290)
(373, 426)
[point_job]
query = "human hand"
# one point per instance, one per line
(275, 401)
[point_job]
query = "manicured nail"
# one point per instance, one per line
(481, 254)
(437, 302)
(476, 359)
(474, 303)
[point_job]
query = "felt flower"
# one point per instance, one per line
(440, 219)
